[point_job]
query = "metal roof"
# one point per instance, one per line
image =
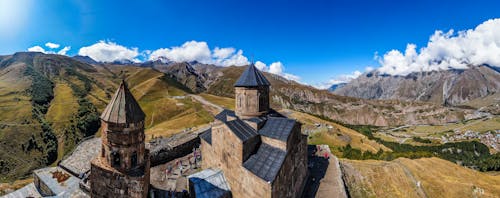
(123, 108)
(252, 77)
(241, 129)
(266, 163)
(277, 128)
(222, 116)
(207, 135)
(209, 183)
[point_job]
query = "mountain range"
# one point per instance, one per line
(50, 102)
(445, 87)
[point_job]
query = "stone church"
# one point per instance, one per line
(253, 151)
(122, 167)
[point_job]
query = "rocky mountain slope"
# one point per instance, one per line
(449, 87)
(287, 94)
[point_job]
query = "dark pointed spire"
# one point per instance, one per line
(252, 77)
(123, 108)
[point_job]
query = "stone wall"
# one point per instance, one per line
(251, 101)
(291, 179)
(108, 182)
(167, 149)
(42, 187)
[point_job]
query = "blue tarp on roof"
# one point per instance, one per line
(210, 183)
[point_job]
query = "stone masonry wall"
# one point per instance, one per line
(108, 182)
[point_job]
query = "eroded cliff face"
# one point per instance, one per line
(450, 87)
(364, 112)
(292, 95)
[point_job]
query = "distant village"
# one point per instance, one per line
(489, 138)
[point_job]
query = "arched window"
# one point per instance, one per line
(133, 159)
(239, 100)
(116, 159)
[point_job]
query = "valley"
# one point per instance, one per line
(43, 122)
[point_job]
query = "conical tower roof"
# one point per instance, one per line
(252, 77)
(123, 108)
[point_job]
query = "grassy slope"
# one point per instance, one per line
(337, 136)
(165, 115)
(225, 102)
(399, 178)
(16, 124)
(62, 109)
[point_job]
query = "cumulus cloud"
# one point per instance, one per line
(199, 51)
(261, 66)
(36, 49)
(189, 51)
(64, 50)
(106, 51)
(447, 50)
(276, 68)
(342, 78)
(222, 53)
(52, 45)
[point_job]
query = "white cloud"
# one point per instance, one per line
(448, 50)
(189, 51)
(343, 78)
(261, 66)
(236, 59)
(36, 49)
(106, 51)
(199, 51)
(52, 45)
(222, 53)
(276, 68)
(64, 50)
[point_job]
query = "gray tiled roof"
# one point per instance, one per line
(257, 120)
(207, 135)
(252, 77)
(123, 108)
(222, 116)
(209, 183)
(266, 163)
(277, 128)
(241, 129)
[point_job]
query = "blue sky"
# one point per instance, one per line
(315, 40)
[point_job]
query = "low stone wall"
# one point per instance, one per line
(163, 150)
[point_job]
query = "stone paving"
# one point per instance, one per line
(78, 162)
(325, 175)
(168, 176)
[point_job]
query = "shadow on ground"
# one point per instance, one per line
(317, 166)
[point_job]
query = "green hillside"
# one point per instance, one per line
(49, 103)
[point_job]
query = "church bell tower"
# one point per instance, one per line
(122, 168)
(252, 93)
